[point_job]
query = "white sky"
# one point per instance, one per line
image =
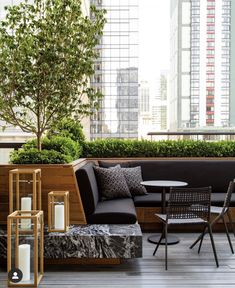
(154, 38)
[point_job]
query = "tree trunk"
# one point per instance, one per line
(39, 142)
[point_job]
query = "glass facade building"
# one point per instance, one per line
(116, 72)
(210, 65)
(201, 64)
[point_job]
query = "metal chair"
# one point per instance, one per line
(187, 206)
(221, 212)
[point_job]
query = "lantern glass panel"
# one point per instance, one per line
(25, 189)
(25, 186)
(25, 248)
(58, 211)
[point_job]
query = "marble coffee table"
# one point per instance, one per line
(120, 241)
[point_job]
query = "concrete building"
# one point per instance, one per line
(159, 107)
(201, 64)
(145, 113)
(144, 103)
(116, 73)
(179, 102)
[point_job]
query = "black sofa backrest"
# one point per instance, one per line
(88, 187)
(215, 173)
(198, 173)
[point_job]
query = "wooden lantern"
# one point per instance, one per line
(24, 189)
(25, 248)
(58, 211)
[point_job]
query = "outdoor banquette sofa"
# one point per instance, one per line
(197, 173)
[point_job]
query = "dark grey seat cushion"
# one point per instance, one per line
(148, 200)
(154, 199)
(117, 211)
(217, 199)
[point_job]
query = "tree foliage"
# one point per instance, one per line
(46, 59)
(69, 128)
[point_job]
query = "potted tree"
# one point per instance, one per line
(47, 52)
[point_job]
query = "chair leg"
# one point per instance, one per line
(227, 233)
(213, 244)
(198, 239)
(202, 237)
(163, 232)
(231, 222)
(166, 267)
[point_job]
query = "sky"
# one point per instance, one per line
(154, 38)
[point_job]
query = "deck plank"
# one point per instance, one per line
(186, 269)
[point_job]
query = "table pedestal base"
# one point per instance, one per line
(171, 239)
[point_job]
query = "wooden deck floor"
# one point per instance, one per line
(186, 269)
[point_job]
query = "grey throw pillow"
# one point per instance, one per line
(112, 183)
(133, 178)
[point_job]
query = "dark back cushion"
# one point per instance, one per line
(106, 164)
(88, 187)
(215, 173)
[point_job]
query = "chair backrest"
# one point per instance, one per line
(228, 195)
(189, 203)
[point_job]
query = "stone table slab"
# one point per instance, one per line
(90, 241)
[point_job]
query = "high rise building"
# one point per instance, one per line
(127, 106)
(116, 72)
(159, 107)
(145, 113)
(201, 37)
(179, 102)
(144, 103)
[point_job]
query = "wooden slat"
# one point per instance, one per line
(83, 261)
(54, 177)
(186, 268)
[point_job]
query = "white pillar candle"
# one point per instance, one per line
(24, 261)
(59, 217)
(26, 204)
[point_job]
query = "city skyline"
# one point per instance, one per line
(188, 41)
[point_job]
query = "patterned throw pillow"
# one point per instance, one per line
(133, 178)
(112, 183)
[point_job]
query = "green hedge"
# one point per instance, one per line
(61, 144)
(106, 148)
(33, 156)
(54, 151)
(64, 150)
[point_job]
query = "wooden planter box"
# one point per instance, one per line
(54, 177)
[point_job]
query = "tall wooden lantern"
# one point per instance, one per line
(24, 189)
(25, 248)
(58, 211)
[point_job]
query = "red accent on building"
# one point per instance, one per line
(210, 80)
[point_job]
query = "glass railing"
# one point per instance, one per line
(185, 135)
